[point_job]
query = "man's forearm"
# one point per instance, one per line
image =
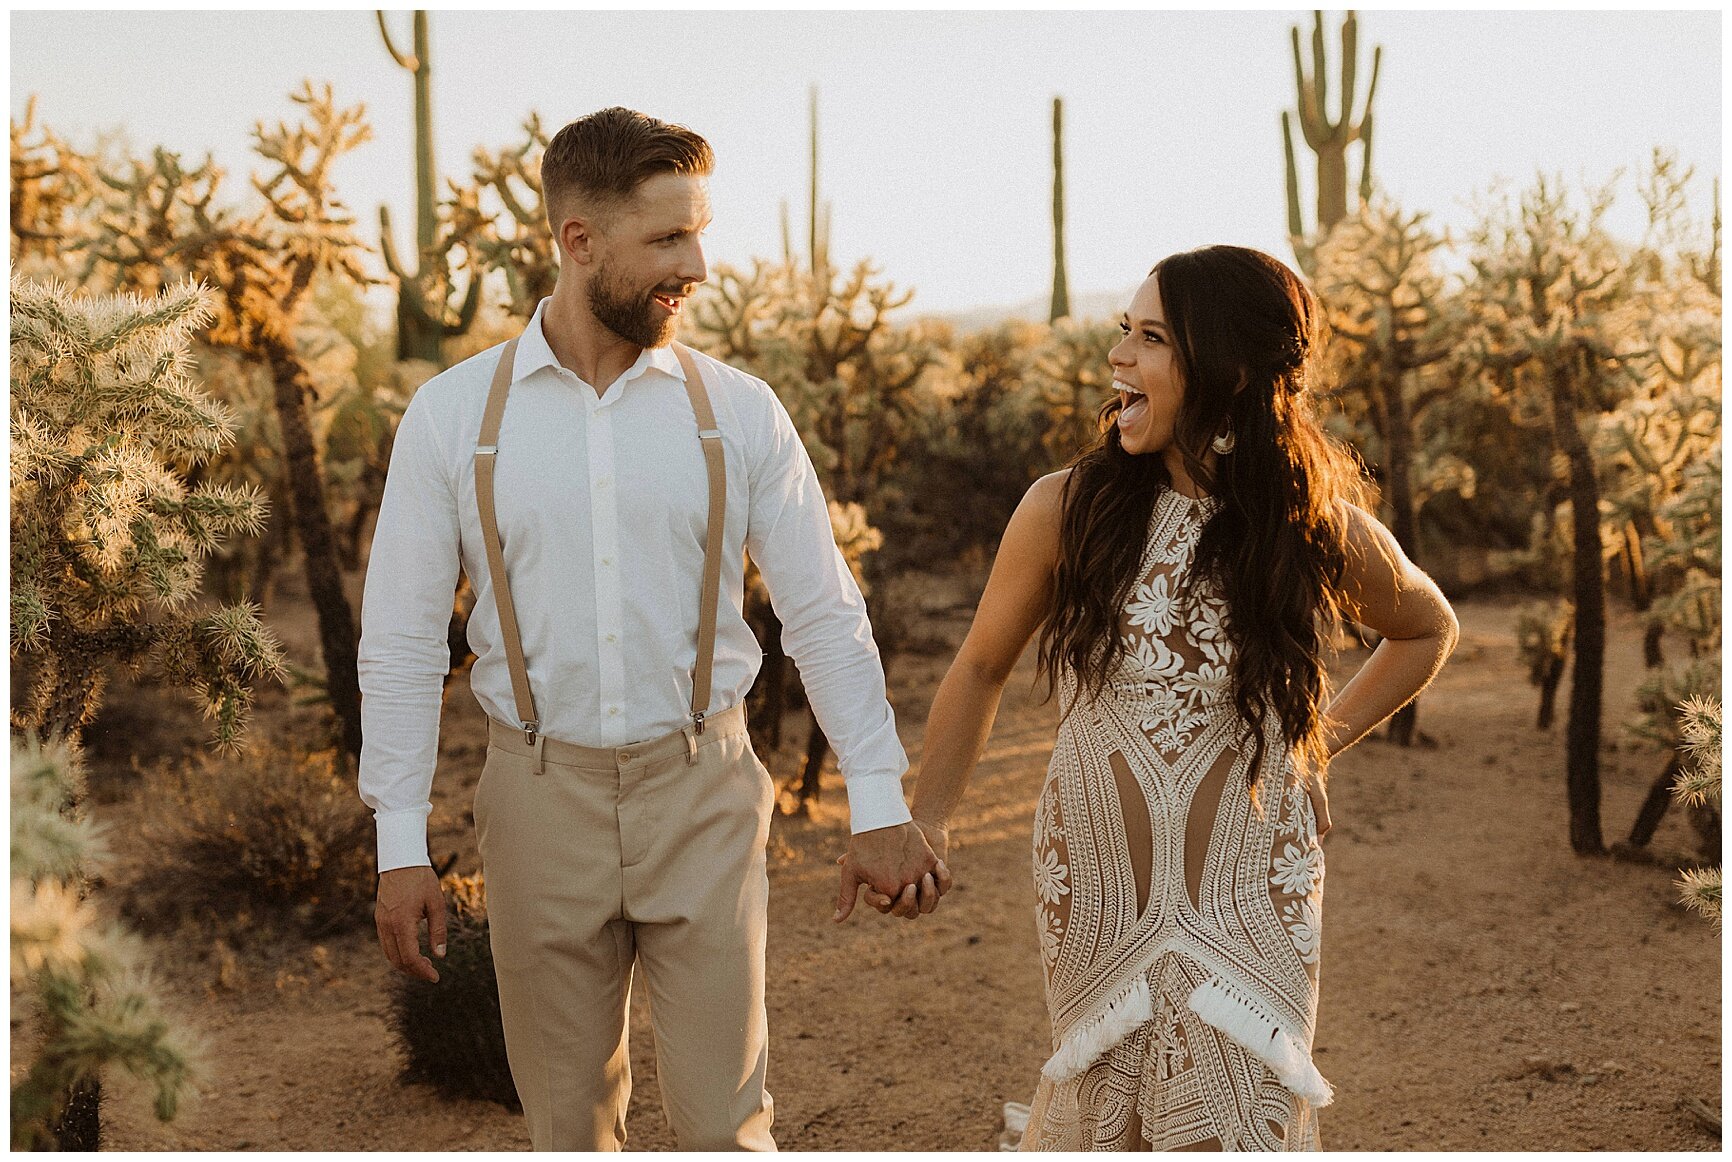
(831, 643)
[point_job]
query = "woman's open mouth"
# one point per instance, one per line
(1135, 404)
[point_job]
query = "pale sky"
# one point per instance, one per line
(935, 126)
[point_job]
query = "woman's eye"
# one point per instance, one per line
(1152, 337)
(1124, 328)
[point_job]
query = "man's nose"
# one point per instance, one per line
(693, 269)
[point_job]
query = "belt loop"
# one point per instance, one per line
(539, 740)
(691, 745)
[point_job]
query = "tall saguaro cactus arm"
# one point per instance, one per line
(424, 316)
(409, 285)
(1060, 279)
(419, 65)
(1295, 215)
(1327, 138)
(818, 218)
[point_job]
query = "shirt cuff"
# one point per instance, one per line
(875, 801)
(403, 837)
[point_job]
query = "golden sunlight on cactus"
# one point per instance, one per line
(105, 530)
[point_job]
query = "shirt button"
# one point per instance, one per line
(603, 481)
(612, 637)
(607, 561)
(612, 710)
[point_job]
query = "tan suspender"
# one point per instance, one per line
(487, 456)
(716, 467)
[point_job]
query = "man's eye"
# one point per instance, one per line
(1124, 328)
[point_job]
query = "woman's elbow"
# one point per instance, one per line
(982, 673)
(1450, 630)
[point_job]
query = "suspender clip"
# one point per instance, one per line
(487, 449)
(698, 720)
(530, 730)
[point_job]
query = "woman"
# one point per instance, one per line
(1185, 574)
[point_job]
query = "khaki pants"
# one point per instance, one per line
(632, 854)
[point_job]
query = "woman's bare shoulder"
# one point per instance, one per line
(1045, 497)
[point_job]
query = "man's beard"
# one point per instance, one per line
(633, 317)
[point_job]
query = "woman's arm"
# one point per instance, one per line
(1385, 591)
(1015, 603)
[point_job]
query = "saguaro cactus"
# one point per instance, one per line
(1060, 282)
(1329, 139)
(817, 217)
(424, 316)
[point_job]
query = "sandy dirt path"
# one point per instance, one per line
(1482, 987)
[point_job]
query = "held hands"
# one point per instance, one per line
(406, 896)
(902, 869)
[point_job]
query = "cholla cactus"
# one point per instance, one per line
(1556, 317)
(1072, 377)
(160, 221)
(104, 419)
(856, 537)
(1699, 785)
(519, 244)
(851, 379)
(90, 1008)
(50, 181)
(1543, 644)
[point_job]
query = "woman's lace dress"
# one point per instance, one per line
(1180, 918)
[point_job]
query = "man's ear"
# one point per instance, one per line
(577, 235)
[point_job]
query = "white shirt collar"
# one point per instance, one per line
(534, 353)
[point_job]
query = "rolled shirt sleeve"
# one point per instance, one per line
(825, 628)
(404, 650)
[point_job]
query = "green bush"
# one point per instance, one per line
(450, 1033)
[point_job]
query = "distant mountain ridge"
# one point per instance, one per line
(1096, 305)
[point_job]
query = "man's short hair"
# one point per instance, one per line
(597, 162)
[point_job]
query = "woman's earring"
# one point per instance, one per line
(1224, 443)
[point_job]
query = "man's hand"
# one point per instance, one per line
(896, 865)
(407, 895)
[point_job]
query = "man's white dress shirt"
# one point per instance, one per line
(602, 507)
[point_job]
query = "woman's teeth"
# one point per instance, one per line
(1135, 403)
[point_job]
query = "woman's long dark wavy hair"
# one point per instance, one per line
(1246, 333)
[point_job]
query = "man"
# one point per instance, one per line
(621, 813)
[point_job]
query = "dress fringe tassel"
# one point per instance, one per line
(1092, 1038)
(1221, 1006)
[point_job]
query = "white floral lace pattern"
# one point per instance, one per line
(1150, 774)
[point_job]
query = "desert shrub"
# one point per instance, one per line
(271, 834)
(450, 1033)
(1543, 643)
